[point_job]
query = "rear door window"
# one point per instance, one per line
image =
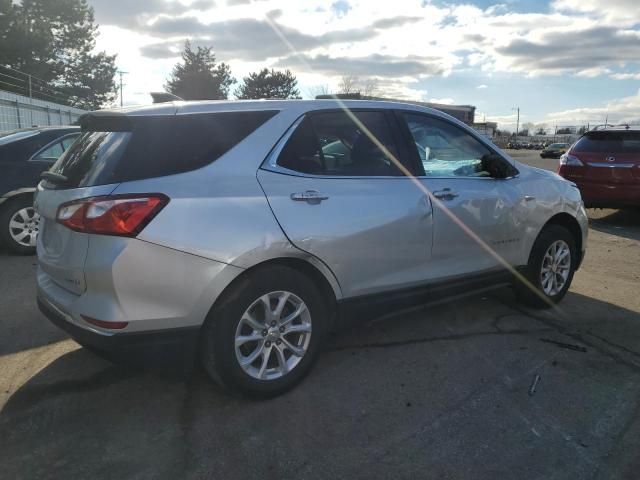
(133, 148)
(337, 144)
(68, 141)
(52, 152)
(609, 142)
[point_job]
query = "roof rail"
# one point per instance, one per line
(610, 125)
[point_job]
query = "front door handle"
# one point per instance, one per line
(445, 194)
(309, 196)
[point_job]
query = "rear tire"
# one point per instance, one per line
(290, 348)
(19, 225)
(550, 269)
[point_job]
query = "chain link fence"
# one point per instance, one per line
(19, 111)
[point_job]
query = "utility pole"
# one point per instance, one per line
(517, 121)
(120, 72)
(30, 100)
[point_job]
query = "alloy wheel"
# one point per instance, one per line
(273, 335)
(556, 266)
(23, 226)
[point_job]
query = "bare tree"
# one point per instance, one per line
(348, 84)
(316, 90)
(369, 87)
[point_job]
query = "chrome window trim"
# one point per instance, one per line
(270, 164)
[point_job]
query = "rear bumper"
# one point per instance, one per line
(608, 194)
(175, 347)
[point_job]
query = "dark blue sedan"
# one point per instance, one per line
(24, 155)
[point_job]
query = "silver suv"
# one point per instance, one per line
(248, 230)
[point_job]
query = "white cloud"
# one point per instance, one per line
(622, 12)
(444, 101)
(622, 110)
(626, 76)
(397, 43)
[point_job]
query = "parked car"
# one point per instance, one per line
(605, 164)
(554, 150)
(250, 229)
(24, 154)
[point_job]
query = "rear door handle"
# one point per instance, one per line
(309, 196)
(529, 198)
(445, 194)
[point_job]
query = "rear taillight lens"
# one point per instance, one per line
(570, 160)
(103, 324)
(123, 215)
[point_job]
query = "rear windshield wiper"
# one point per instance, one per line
(54, 177)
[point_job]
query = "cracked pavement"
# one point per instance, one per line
(436, 392)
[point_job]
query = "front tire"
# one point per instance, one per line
(263, 336)
(550, 269)
(19, 225)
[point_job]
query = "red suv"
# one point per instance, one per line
(605, 164)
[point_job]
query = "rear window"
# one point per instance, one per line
(134, 148)
(608, 142)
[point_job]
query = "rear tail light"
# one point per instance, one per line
(570, 160)
(122, 215)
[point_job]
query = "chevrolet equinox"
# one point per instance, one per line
(248, 230)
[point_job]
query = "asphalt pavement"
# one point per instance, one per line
(479, 388)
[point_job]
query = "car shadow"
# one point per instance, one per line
(83, 417)
(622, 223)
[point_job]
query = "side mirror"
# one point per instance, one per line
(497, 166)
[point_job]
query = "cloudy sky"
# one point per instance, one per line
(561, 61)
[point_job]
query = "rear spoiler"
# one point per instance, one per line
(164, 97)
(105, 121)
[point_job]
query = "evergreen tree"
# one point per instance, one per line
(53, 40)
(199, 77)
(268, 84)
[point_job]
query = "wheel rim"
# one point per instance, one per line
(556, 265)
(273, 335)
(23, 226)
